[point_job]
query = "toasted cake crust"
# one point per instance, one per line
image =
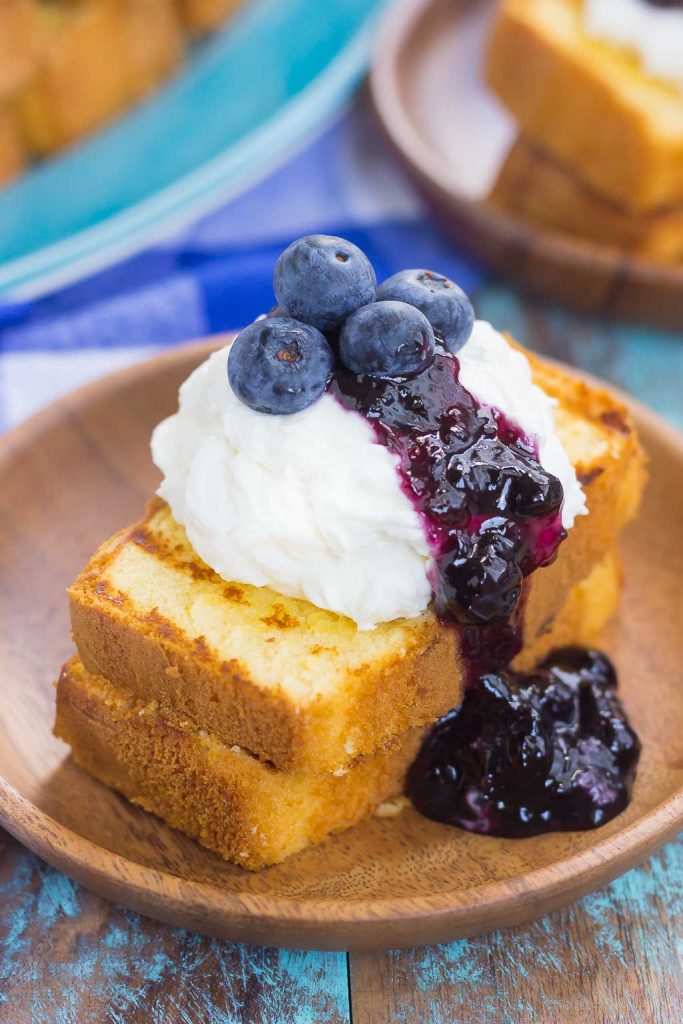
(539, 189)
(303, 687)
(241, 807)
(588, 103)
(297, 686)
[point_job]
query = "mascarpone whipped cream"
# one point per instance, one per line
(310, 504)
(654, 33)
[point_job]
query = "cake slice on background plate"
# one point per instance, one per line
(541, 191)
(598, 85)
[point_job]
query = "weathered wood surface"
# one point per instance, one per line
(613, 957)
(67, 957)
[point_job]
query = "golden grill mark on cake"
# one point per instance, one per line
(144, 539)
(590, 475)
(615, 418)
(280, 619)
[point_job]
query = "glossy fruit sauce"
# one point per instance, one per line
(490, 511)
(521, 755)
(549, 751)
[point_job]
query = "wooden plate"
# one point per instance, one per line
(81, 469)
(427, 87)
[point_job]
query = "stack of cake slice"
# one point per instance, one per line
(600, 154)
(258, 723)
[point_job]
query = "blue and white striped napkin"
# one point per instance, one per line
(216, 275)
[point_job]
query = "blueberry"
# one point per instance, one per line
(584, 663)
(387, 339)
(445, 305)
(479, 579)
(279, 365)
(534, 493)
(321, 280)
(495, 477)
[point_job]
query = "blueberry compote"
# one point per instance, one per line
(490, 511)
(551, 751)
(522, 754)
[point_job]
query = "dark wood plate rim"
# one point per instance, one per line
(152, 891)
(396, 27)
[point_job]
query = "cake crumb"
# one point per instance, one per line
(392, 808)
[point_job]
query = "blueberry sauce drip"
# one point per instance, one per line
(491, 513)
(522, 755)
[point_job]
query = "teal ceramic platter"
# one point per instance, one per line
(247, 98)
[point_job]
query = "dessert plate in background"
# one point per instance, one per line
(452, 134)
(80, 470)
(274, 74)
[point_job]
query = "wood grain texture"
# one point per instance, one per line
(613, 957)
(415, 84)
(68, 957)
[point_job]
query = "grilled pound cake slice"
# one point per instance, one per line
(299, 686)
(21, 39)
(241, 807)
(97, 59)
(69, 66)
(588, 103)
(537, 188)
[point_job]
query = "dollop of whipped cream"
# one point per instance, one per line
(311, 504)
(654, 33)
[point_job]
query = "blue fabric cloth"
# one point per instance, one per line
(216, 275)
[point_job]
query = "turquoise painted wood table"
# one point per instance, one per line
(616, 957)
